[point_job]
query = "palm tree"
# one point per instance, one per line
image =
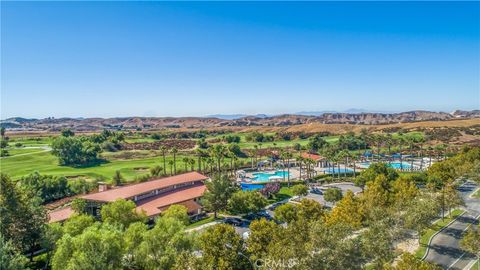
(354, 158)
(255, 153)
(289, 156)
(218, 152)
(199, 153)
(191, 161)
(389, 143)
(310, 166)
(344, 154)
(430, 152)
(171, 162)
(186, 161)
(174, 151)
(232, 156)
(283, 157)
(411, 142)
(117, 178)
(163, 149)
(400, 141)
(379, 139)
(235, 159)
(300, 163)
(210, 163)
(365, 138)
(328, 153)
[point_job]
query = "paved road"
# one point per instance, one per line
(445, 247)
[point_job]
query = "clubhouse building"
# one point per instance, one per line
(152, 197)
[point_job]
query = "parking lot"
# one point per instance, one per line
(241, 224)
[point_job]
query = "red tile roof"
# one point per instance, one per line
(153, 206)
(60, 214)
(312, 156)
(137, 189)
(191, 205)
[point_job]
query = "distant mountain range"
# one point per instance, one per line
(307, 113)
(355, 117)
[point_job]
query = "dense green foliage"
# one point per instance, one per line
(75, 150)
(50, 188)
(219, 191)
(333, 195)
(22, 216)
(243, 202)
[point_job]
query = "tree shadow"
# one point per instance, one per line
(91, 164)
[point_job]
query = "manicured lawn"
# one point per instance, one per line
(129, 163)
(46, 163)
(414, 135)
(30, 141)
(17, 151)
(200, 222)
(433, 229)
(249, 145)
(284, 193)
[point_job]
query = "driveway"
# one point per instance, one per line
(445, 247)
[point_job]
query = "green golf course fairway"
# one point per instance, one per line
(46, 163)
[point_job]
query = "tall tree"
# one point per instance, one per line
(333, 195)
(163, 150)
(10, 257)
(22, 216)
(174, 152)
(117, 178)
(261, 235)
(163, 244)
(121, 213)
(222, 248)
(219, 191)
(471, 242)
(242, 202)
(98, 247)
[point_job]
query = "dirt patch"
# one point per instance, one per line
(141, 169)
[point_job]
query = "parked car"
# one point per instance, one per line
(275, 205)
(199, 217)
(259, 215)
(233, 221)
(316, 191)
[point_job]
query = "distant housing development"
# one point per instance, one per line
(152, 197)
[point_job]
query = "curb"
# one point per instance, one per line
(473, 193)
(470, 265)
(436, 233)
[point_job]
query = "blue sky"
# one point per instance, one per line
(108, 59)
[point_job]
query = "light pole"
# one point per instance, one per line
(241, 254)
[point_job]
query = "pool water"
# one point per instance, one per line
(249, 187)
(265, 177)
(336, 170)
(398, 165)
(394, 165)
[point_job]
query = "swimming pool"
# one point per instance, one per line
(249, 187)
(394, 165)
(336, 170)
(265, 177)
